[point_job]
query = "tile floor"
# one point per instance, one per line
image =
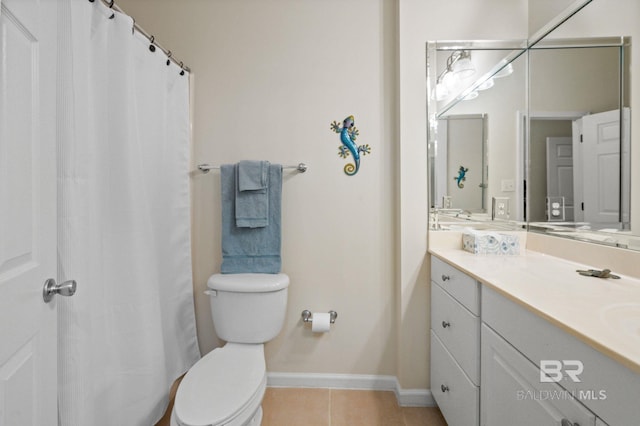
(338, 407)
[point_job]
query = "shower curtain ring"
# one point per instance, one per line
(168, 58)
(111, 4)
(151, 46)
(181, 68)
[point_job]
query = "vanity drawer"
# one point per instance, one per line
(457, 397)
(458, 329)
(458, 284)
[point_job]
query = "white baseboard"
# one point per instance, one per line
(415, 398)
(406, 397)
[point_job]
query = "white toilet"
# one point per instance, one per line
(227, 385)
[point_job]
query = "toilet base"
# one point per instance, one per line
(257, 419)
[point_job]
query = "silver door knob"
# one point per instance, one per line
(67, 288)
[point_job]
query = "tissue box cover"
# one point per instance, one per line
(491, 243)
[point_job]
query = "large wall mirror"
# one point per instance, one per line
(540, 136)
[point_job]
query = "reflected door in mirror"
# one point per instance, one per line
(460, 162)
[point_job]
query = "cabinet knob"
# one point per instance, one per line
(446, 389)
(567, 422)
(446, 324)
(445, 277)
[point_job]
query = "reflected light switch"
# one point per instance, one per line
(507, 185)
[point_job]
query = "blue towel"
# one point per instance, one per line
(253, 175)
(250, 250)
(252, 197)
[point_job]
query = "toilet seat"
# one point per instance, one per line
(225, 387)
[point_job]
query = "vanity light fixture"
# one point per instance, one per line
(441, 92)
(459, 66)
(507, 70)
(461, 63)
(471, 95)
(487, 84)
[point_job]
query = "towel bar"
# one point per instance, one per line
(206, 168)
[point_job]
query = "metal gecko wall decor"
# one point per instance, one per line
(462, 176)
(348, 134)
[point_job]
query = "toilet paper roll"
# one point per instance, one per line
(321, 322)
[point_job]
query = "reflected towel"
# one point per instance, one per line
(252, 197)
(250, 250)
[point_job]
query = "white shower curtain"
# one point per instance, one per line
(124, 222)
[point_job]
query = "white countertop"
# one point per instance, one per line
(603, 313)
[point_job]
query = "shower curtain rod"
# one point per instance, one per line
(111, 5)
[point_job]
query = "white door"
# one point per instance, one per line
(28, 353)
(465, 150)
(560, 172)
(601, 167)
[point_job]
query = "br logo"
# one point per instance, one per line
(551, 370)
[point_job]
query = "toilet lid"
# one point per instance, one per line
(219, 386)
(248, 283)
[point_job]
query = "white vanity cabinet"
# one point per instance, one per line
(455, 344)
(497, 361)
(582, 387)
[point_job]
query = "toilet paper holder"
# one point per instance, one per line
(307, 316)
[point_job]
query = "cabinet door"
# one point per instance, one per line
(606, 387)
(512, 392)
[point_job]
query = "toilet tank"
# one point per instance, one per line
(248, 308)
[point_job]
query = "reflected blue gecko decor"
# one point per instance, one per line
(348, 134)
(462, 176)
